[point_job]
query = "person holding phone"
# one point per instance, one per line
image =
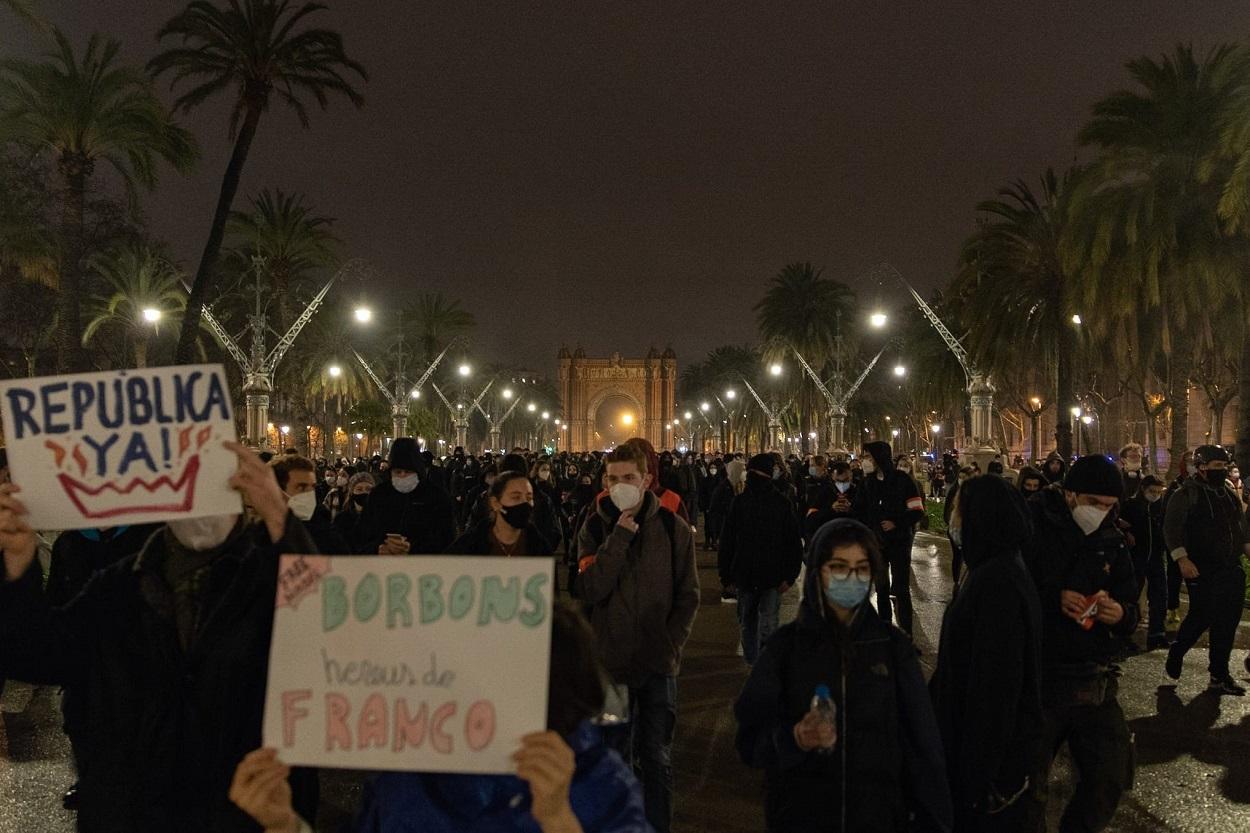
(408, 513)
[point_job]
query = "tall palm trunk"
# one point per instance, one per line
(1181, 369)
(74, 170)
(205, 275)
(1065, 393)
(1243, 393)
(141, 352)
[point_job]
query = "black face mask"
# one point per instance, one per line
(517, 517)
(1216, 477)
(360, 500)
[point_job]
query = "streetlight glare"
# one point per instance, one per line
(1076, 318)
(507, 393)
(465, 370)
(689, 415)
(878, 319)
(416, 394)
(335, 371)
(531, 407)
(1076, 412)
(731, 393)
(364, 315)
(1087, 419)
(627, 419)
(705, 407)
(899, 370)
(546, 415)
(151, 315)
(937, 429)
(775, 369)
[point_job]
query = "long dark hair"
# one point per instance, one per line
(575, 685)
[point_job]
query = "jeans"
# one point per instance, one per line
(758, 611)
(1215, 600)
(1152, 574)
(1174, 585)
(646, 744)
(898, 560)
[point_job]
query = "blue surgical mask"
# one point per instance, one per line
(849, 593)
(842, 487)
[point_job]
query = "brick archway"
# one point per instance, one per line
(585, 383)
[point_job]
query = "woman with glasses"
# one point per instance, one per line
(872, 761)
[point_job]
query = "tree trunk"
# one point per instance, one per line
(141, 352)
(1243, 396)
(1178, 396)
(1152, 437)
(206, 275)
(1065, 396)
(69, 353)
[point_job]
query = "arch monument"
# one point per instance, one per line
(650, 384)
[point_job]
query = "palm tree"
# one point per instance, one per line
(25, 10)
(143, 289)
(1013, 284)
(258, 49)
(293, 240)
(83, 112)
(1143, 227)
(437, 320)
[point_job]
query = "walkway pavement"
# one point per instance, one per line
(1192, 773)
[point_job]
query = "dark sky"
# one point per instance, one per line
(626, 174)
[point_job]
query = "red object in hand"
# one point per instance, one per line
(1087, 618)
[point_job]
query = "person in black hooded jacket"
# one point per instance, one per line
(407, 513)
(880, 768)
(889, 503)
(987, 685)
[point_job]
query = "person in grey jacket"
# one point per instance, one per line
(638, 575)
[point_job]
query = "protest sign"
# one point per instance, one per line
(425, 663)
(121, 447)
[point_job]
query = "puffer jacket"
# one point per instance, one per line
(642, 589)
(887, 773)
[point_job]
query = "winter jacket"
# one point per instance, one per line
(1062, 557)
(325, 534)
(888, 495)
(476, 541)
(707, 487)
(605, 797)
(426, 516)
(987, 685)
(888, 761)
(1206, 524)
(820, 507)
(760, 544)
(347, 524)
(643, 591)
(1145, 519)
(1054, 477)
(165, 727)
(78, 554)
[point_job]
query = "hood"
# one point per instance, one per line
(881, 455)
(994, 519)
(813, 601)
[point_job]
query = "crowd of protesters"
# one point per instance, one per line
(159, 635)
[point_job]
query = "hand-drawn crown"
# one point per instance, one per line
(109, 500)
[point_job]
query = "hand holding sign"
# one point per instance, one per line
(17, 539)
(546, 763)
(260, 488)
(260, 788)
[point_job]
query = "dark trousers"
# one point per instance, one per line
(1215, 600)
(646, 743)
(711, 534)
(1102, 751)
(898, 560)
(758, 612)
(1174, 585)
(1152, 575)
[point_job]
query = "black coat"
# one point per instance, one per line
(76, 557)
(760, 544)
(165, 728)
(1146, 521)
(476, 541)
(426, 516)
(820, 505)
(893, 496)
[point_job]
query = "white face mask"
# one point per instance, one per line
(625, 496)
(303, 505)
(1150, 498)
(406, 484)
(205, 533)
(841, 487)
(867, 466)
(1089, 518)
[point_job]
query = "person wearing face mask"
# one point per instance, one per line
(880, 767)
(336, 500)
(1238, 486)
(761, 552)
(347, 522)
(1206, 533)
(1130, 462)
(297, 479)
(715, 473)
(889, 503)
(1144, 514)
(1083, 572)
(831, 501)
(638, 575)
(407, 513)
(168, 650)
(509, 529)
(990, 712)
(1030, 481)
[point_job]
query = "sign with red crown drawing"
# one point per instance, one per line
(122, 447)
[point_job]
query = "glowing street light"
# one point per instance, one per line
(893, 432)
(546, 415)
(335, 371)
(731, 393)
(775, 369)
(689, 415)
(464, 370)
(937, 429)
(1087, 419)
(416, 394)
(1037, 402)
(507, 393)
(627, 419)
(151, 315)
(364, 315)
(705, 407)
(286, 429)
(1076, 412)
(1076, 318)
(899, 370)
(878, 320)
(531, 407)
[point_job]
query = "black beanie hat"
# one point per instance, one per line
(763, 463)
(406, 455)
(1095, 474)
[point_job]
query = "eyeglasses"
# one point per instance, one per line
(840, 572)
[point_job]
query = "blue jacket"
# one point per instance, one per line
(605, 796)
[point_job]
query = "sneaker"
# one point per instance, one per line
(739, 652)
(70, 800)
(1226, 686)
(1175, 663)
(728, 598)
(1157, 642)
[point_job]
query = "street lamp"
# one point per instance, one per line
(731, 393)
(531, 407)
(507, 393)
(705, 407)
(416, 394)
(546, 415)
(364, 315)
(151, 315)
(1076, 318)
(335, 371)
(689, 415)
(464, 370)
(775, 369)
(878, 320)
(900, 370)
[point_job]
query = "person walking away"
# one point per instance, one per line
(638, 576)
(1144, 514)
(877, 766)
(990, 712)
(761, 553)
(509, 530)
(169, 650)
(722, 499)
(408, 513)
(1083, 572)
(889, 504)
(1206, 533)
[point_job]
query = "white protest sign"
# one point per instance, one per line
(121, 447)
(420, 663)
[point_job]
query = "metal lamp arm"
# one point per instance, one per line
(232, 347)
(851, 392)
(284, 343)
(477, 402)
(445, 401)
(811, 373)
(369, 370)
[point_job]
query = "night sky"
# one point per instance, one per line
(627, 174)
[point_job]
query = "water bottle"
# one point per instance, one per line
(823, 705)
